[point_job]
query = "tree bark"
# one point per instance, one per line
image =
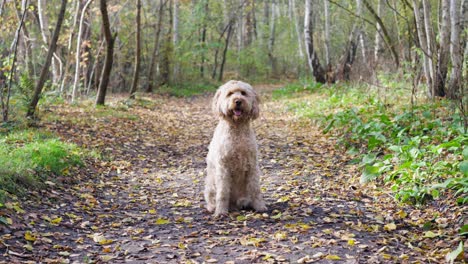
(422, 42)
(312, 59)
(105, 75)
(271, 40)
(136, 71)
(326, 5)
(42, 78)
(444, 49)
(456, 51)
(228, 37)
(378, 34)
(78, 53)
(151, 73)
(430, 46)
(44, 26)
(298, 31)
(175, 38)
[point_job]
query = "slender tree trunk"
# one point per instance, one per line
(326, 5)
(430, 46)
(104, 82)
(151, 73)
(312, 59)
(385, 33)
(44, 26)
(45, 68)
(361, 32)
(456, 51)
(175, 38)
(69, 47)
(378, 35)
(228, 37)
(249, 22)
(203, 37)
(271, 41)
(5, 98)
(422, 42)
(298, 31)
(26, 41)
(444, 49)
(78, 53)
(136, 71)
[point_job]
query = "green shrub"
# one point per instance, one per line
(418, 150)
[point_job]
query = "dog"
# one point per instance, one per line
(232, 180)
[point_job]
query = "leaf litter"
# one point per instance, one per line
(143, 200)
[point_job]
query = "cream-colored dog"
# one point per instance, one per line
(232, 180)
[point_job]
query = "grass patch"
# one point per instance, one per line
(419, 150)
(29, 158)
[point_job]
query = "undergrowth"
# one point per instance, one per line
(29, 158)
(419, 150)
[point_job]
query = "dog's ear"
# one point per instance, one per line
(215, 104)
(255, 112)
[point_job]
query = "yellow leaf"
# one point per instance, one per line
(30, 236)
(333, 257)
(390, 227)
(277, 216)
(56, 221)
(280, 236)
(101, 239)
(430, 234)
(351, 242)
(152, 211)
(182, 245)
(162, 221)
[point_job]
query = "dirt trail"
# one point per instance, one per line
(145, 205)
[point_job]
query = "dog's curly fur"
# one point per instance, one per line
(232, 180)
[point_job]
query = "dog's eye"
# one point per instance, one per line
(243, 93)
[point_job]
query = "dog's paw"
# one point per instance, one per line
(219, 213)
(259, 206)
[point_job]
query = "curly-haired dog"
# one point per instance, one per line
(232, 180)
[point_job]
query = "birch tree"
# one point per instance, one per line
(312, 59)
(443, 55)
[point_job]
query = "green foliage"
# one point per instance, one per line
(186, 89)
(419, 151)
(29, 158)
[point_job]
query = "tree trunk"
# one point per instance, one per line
(5, 98)
(45, 68)
(456, 52)
(175, 38)
(312, 59)
(203, 37)
(326, 5)
(271, 41)
(44, 26)
(28, 53)
(361, 32)
(378, 34)
(136, 71)
(109, 60)
(78, 52)
(430, 46)
(386, 34)
(226, 45)
(151, 73)
(422, 42)
(444, 49)
(249, 22)
(298, 31)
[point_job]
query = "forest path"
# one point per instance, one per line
(145, 204)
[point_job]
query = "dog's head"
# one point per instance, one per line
(237, 101)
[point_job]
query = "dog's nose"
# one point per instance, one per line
(238, 102)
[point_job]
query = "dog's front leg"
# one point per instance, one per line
(223, 191)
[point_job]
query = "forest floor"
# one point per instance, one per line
(143, 202)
